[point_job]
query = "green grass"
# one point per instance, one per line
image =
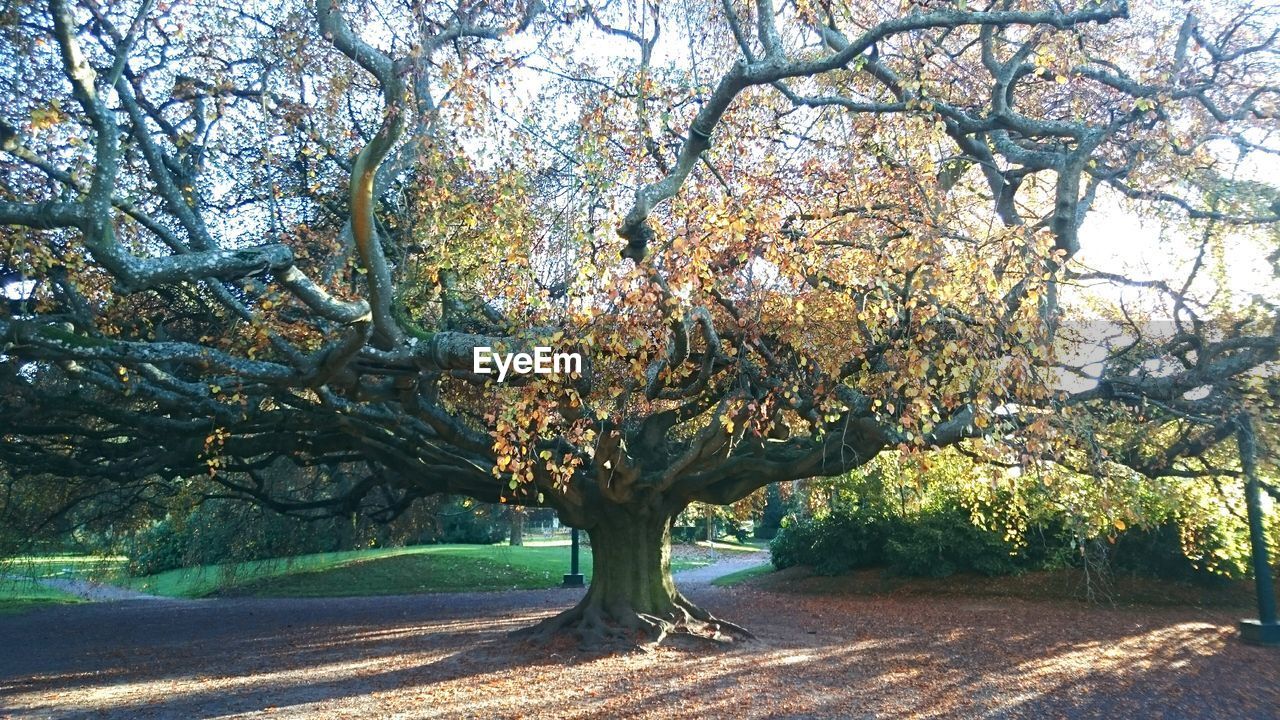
(751, 545)
(425, 568)
(204, 580)
(382, 571)
(19, 591)
(19, 595)
(734, 578)
(96, 567)
(399, 574)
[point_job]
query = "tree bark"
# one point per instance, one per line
(632, 598)
(517, 526)
(631, 566)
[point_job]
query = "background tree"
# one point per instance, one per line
(844, 228)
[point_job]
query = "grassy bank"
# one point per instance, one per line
(22, 594)
(379, 571)
(741, 576)
(430, 568)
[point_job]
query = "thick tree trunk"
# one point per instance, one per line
(517, 526)
(631, 566)
(632, 598)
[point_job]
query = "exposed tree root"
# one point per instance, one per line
(733, 630)
(596, 627)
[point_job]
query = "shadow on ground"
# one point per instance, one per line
(448, 656)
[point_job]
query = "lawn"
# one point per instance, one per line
(390, 571)
(19, 592)
(22, 594)
(97, 567)
(379, 571)
(444, 571)
(430, 568)
(740, 576)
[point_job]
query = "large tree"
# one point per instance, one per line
(784, 236)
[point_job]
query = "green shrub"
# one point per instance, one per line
(842, 540)
(771, 516)
(160, 548)
(943, 540)
(935, 543)
(1158, 552)
(223, 531)
(226, 531)
(793, 543)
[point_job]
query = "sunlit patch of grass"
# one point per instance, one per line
(749, 546)
(397, 575)
(430, 568)
(96, 567)
(734, 578)
(471, 567)
(19, 595)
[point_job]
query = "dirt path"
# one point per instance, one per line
(448, 655)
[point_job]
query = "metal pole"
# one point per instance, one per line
(1264, 630)
(574, 578)
(573, 552)
(1261, 563)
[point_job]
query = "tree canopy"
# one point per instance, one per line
(254, 247)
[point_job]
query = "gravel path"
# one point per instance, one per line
(448, 656)
(731, 563)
